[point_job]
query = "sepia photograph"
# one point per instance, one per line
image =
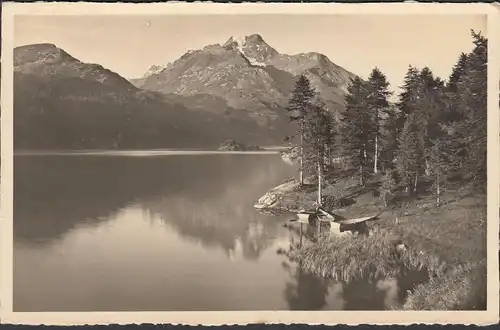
(224, 160)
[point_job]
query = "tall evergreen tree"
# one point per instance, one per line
(468, 135)
(356, 127)
(299, 106)
(410, 153)
(430, 109)
(318, 137)
(451, 95)
(377, 101)
(388, 137)
(409, 96)
(457, 72)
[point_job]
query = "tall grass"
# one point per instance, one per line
(463, 288)
(347, 258)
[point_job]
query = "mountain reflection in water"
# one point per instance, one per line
(178, 232)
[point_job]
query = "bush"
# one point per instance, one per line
(387, 187)
(335, 200)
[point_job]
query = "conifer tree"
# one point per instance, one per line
(451, 97)
(457, 72)
(318, 137)
(299, 106)
(467, 135)
(377, 101)
(356, 128)
(409, 95)
(430, 109)
(388, 137)
(409, 154)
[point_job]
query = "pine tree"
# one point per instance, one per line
(431, 110)
(457, 72)
(467, 135)
(412, 126)
(318, 137)
(409, 96)
(409, 154)
(355, 129)
(388, 137)
(377, 101)
(300, 104)
(450, 96)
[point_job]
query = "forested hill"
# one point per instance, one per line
(62, 103)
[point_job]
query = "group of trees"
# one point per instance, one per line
(436, 129)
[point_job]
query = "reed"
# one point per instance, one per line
(374, 256)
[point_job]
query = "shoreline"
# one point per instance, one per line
(143, 153)
(428, 235)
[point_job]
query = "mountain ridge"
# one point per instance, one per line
(235, 90)
(249, 74)
(63, 103)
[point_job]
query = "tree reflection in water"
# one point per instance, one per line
(306, 291)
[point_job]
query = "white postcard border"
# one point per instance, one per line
(490, 316)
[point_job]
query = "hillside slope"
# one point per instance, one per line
(62, 103)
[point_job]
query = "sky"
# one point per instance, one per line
(129, 45)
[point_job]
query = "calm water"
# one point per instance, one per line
(175, 232)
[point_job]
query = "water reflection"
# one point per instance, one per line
(161, 233)
(305, 291)
(54, 194)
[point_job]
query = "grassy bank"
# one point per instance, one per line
(448, 241)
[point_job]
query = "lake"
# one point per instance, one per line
(162, 232)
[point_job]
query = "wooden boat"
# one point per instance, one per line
(322, 215)
(357, 220)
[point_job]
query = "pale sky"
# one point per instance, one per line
(129, 45)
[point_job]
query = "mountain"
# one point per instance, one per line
(63, 103)
(237, 90)
(248, 74)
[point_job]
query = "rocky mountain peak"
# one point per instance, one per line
(253, 47)
(245, 40)
(250, 75)
(154, 69)
(48, 61)
(44, 53)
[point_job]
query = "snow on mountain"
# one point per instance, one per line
(240, 43)
(154, 69)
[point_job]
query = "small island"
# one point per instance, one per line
(232, 145)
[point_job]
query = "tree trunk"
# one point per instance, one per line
(328, 158)
(427, 168)
(320, 182)
(438, 192)
(300, 235)
(301, 173)
(361, 176)
(375, 161)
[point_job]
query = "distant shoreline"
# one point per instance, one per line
(142, 153)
